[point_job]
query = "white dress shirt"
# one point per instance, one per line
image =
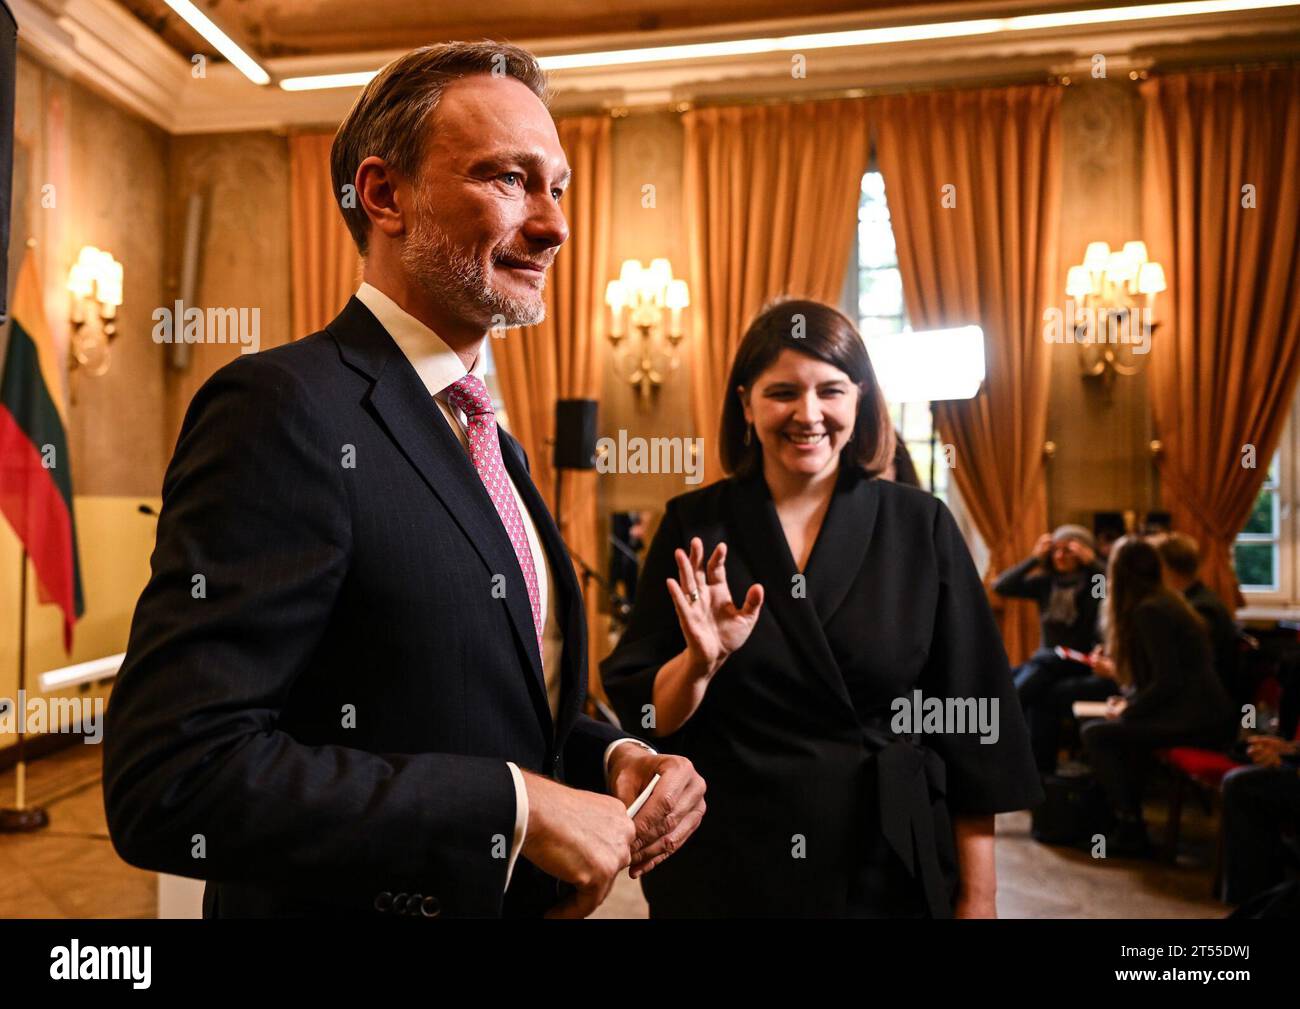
(440, 367)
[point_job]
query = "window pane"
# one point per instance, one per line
(876, 325)
(1256, 565)
(881, 293)
(873, 187)
(1263, 516)
(916, 423)
(876, 241)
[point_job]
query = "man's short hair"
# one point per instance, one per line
(1179, 553)
(390, 118)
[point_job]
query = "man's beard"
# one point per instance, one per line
(459, 280)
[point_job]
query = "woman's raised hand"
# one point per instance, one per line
(711, 623)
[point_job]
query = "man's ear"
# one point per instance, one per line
(377, 190)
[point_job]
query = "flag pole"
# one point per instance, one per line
(23, 818)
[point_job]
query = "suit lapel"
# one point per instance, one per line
(835, 561)
(841, 547)
(414, 421)
(565, 596)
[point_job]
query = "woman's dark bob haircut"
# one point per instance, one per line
(824, 333)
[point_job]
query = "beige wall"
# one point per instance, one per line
(1101, 435)
(108, 172)
(647, 150)
(244, 262)
(123, 185)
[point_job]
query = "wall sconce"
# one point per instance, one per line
(1113, 297)
(641, 296)
(95, 284)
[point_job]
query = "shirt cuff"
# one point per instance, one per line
(521, 819)
(609, 750)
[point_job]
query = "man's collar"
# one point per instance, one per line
(436, 363)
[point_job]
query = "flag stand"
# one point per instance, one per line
(22, 818)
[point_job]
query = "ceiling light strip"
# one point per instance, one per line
(844, 39)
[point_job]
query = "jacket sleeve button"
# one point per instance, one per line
(384, 902)
(430, 907)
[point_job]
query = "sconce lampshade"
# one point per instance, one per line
(1097, 256)
(1119, 267)
(1136, 252)
(1078, 284)
(1151, 278)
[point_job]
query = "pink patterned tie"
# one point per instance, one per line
(471, 396)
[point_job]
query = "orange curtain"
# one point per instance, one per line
(771, 195)
(562, 357)
(1221, 212)
(973, 183)
(325, 264)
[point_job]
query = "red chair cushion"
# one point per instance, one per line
(1205, 766)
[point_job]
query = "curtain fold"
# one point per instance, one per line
(1227, 353)
(325, 264)
(984, 252)
(771, 199)
(563, 357)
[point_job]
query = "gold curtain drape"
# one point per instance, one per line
(1221, 211)
(562, 358)
(984, 252)
(771, 198)
(325, 264)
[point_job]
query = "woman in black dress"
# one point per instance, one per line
(1162, 655)
(800, 666)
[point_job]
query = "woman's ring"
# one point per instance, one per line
(695, 596)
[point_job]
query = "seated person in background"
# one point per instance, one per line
(1258, 801)
(1181, 557)
(1161, 651)
(1059, 576)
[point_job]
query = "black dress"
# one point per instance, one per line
(816, 807)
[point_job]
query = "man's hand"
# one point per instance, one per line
(1102, 664)
(1082, 551)
(1268, 751)
(583, 838)
(969, 906)
(673, 811)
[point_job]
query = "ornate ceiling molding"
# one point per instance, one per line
(101, 45)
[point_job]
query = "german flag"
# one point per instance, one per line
(35, 470)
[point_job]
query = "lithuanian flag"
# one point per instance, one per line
(35, 471)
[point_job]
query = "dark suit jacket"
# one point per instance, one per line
(815, 806)
(321, 689)
(1176, 689)
(1223, 633)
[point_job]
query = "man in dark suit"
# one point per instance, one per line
(1180, 556)
(355, 680)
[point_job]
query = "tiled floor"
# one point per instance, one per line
(71, 870)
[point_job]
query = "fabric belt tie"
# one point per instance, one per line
(907, 775)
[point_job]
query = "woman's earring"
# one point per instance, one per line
(749, 434)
